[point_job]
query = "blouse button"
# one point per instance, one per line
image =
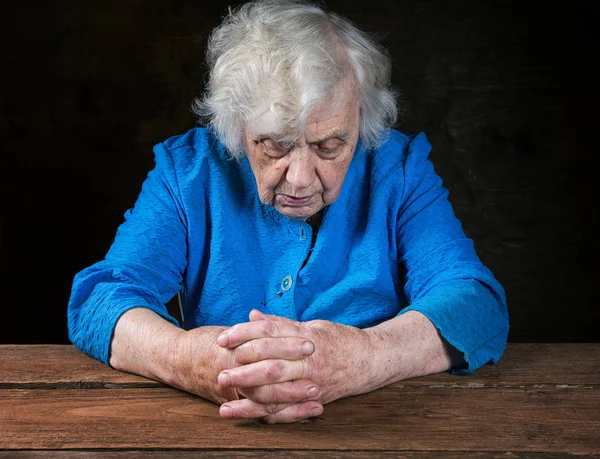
(286, 283)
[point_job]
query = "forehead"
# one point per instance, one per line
(337, 112)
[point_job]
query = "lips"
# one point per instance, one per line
(295, 201)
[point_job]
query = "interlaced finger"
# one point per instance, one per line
(294, 413)
(285, 392)
(246, 408)
(263, 373)
(286, 348)
(272, 412)
(241, 333)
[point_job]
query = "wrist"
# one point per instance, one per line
(364, 367)
(385, 357)
(171, 364)
(408, 346)
(196, 362)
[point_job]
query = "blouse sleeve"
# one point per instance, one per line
(445, 280)
(143, 267)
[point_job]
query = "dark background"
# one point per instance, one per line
(507, 92)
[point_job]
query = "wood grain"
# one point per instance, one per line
(268, 454)
(65, 367)
(60, 366)
(393, 419)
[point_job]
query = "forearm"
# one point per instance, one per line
(470, 315)
(145, 344)
(404, 347)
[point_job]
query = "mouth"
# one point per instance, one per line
(295, 201)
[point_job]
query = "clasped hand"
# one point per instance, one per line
(288, 370)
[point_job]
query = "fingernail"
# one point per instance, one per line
(313, 391)
(223, 339)
(315, 411)
(224, 379)
(226, 411)
(308, 347)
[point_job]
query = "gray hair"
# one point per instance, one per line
(282, 57)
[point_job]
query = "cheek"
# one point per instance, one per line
(267, 178)
(332, 180)
(333, 174)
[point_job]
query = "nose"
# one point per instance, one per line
(301, 170)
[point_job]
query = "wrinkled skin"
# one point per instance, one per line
(284, 389)
(198, 374)
(301, 179)
(276, 363)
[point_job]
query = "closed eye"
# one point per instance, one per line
(272, 147)
(330, 147)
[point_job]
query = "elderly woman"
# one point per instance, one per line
(315, 250)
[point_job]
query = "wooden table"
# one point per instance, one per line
(541, 401)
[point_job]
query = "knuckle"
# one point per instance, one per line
(271, 327)
(249, 352)
(266, 347)
(275, 369)
(300, 327)
(260, 395)
(237, 355)
(254, 348)
(232, 333)
(266, 328)
(318, 325)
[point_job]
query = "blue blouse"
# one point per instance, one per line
(389, 244)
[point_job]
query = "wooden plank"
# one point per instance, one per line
(269, 454)
(393, 419)
(528, 364)
(60, 366)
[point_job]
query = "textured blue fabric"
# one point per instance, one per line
(389, 244)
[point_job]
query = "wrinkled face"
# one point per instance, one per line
(299, 180)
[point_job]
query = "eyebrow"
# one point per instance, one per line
(343, 136)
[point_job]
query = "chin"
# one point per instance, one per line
(298, 214)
